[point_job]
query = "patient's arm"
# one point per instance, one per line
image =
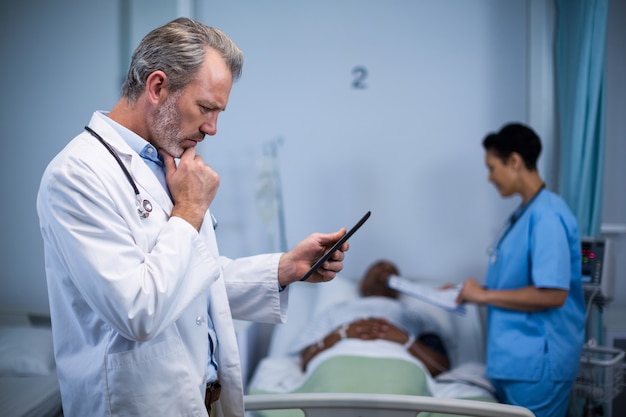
(328, 341)
(435, 361)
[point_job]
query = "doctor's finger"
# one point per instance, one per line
(169, 162)
(329, 239)
(332, 266)
(189, 156)
(339, 255)
(324, 275)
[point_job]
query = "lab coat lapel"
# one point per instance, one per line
(149, 186)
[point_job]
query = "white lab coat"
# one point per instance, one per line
(128, 295)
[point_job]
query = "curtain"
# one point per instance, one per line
(581, 82)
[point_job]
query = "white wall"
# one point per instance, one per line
(58, 65)
(441, 74)
(60, 62)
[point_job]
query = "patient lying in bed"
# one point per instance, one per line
(377, 316)
(376, 342)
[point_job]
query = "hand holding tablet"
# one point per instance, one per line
(335, 247)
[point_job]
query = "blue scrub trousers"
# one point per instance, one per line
(545, 398)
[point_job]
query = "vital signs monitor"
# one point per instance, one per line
(597, 269)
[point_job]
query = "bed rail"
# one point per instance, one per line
(375, 405)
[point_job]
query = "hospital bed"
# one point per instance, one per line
(278, 387)
(28, 379)
(378, 405)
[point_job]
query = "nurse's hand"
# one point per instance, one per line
(472, 292)
(297, 262)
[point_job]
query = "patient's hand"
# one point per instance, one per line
(376, 328)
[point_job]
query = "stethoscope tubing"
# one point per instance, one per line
(117, 158)
(144, 207)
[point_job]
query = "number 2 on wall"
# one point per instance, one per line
(360, 74)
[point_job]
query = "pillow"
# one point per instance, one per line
(440, 319)
(301, 301)
(342, 288)
(463, 335)
(305, 302)
(26, 351)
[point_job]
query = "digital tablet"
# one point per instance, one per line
(336, 246)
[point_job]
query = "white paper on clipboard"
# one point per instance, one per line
(444, 298)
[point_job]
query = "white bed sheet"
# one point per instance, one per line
(29, 385)
(282, 375)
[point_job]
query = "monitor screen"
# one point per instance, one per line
(592, 257)
(587, 256)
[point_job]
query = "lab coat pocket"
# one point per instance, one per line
(152, 380)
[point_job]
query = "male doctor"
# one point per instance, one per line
(141, 302)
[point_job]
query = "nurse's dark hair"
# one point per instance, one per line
(518, 138)
(178, 49)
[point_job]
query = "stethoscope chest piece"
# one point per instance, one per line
(144, 207)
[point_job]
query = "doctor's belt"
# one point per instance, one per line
(213, 391)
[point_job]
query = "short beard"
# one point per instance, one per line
(166, 130)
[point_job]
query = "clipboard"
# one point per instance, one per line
(336, 246)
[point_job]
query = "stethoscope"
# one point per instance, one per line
(494, 248)
(144, 206)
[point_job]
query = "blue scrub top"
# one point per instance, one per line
(542, 248)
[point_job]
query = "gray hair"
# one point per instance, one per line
(178, 49)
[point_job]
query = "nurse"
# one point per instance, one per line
(533, 292)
